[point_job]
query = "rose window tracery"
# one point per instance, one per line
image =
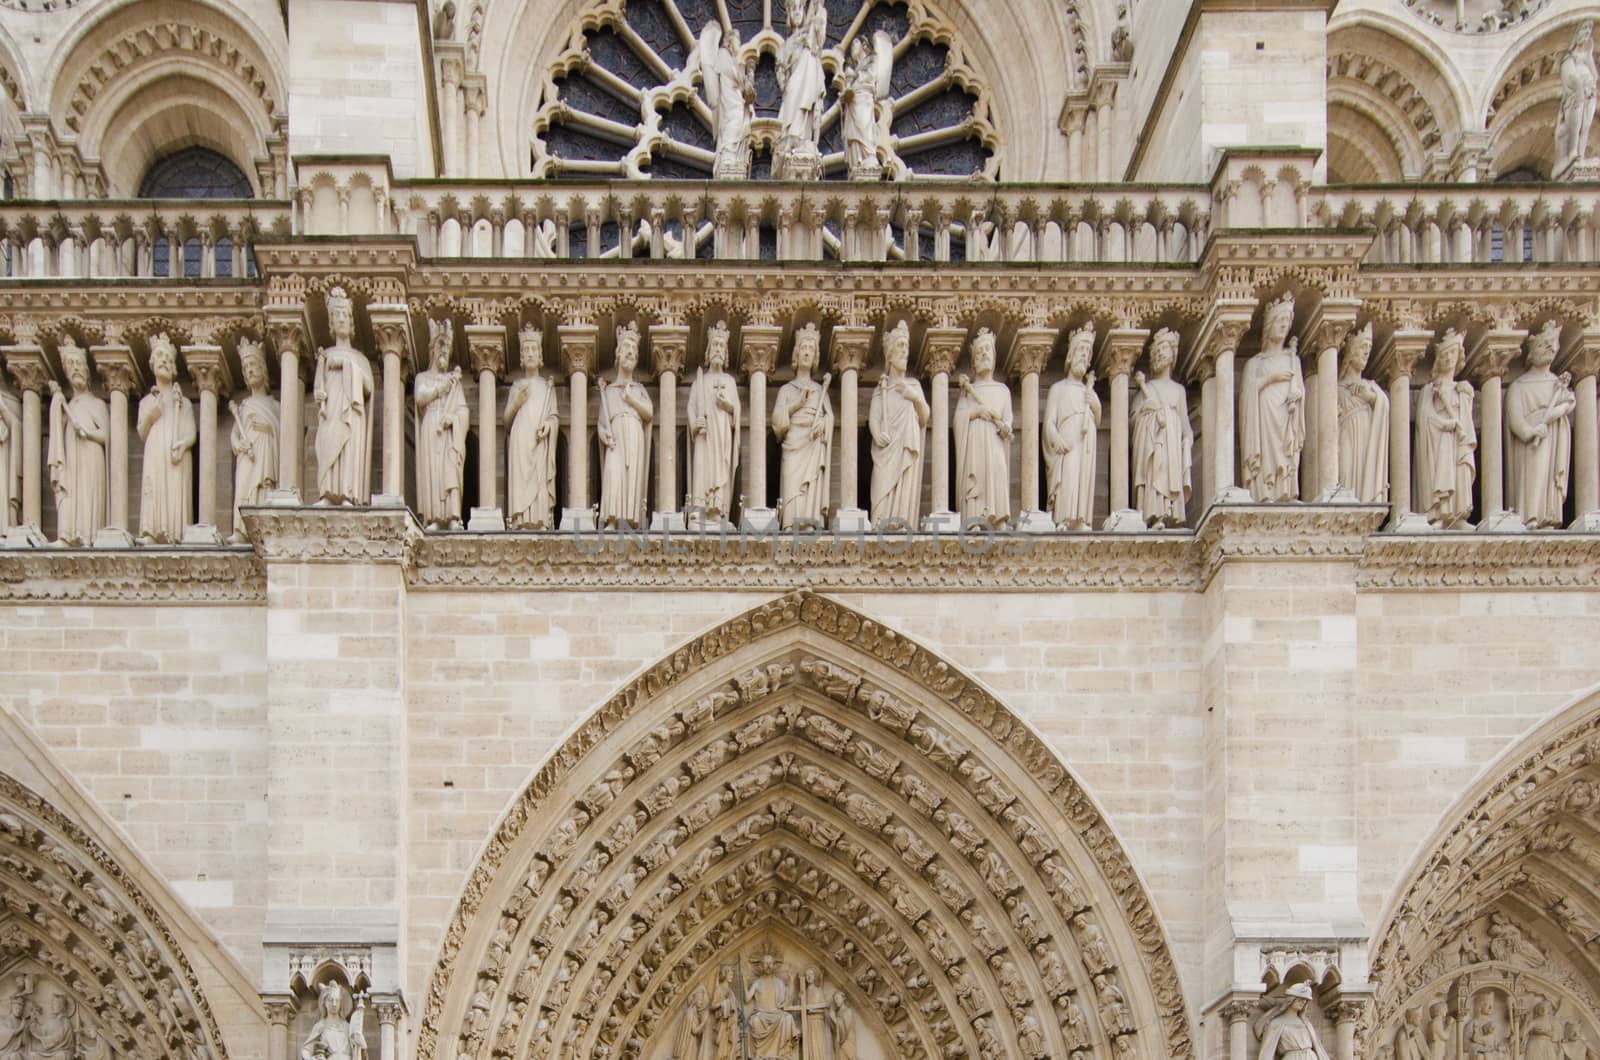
(1475, 16)
(630, 97)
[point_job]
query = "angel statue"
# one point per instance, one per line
(868, 112)
(730, 86)
(333, 1037)
(804, 91)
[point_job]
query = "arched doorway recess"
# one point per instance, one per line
(804, 781)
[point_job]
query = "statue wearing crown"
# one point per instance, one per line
(1272, 409)
(333, 1036)
(1539, 407)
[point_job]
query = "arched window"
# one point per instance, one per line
(196, 173)
(1497, 235)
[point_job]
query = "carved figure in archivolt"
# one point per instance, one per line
(715, 422)
(342, 388)
(1163, 440)
(898, 423)
(166, 424)
(1447, 445)
(76, 455)
(254, 438)
(983, 427)
(724, 1017)
(803, 421)
(864, 88)
(730, 86)
(1576, 116)
(774, 1034)
(1363, 423)
(1288, 1033)
(626, 412)
(442, 421)
(10, 460)
(1071, 426)
(693, 1040)
(1539, 407)
(1272, 415)
(533, 423)
(334, 1037)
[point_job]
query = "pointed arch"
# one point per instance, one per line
(1501, 907)
(803, 765)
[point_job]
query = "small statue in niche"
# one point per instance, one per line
(333, 1037)
(1163, 440)
(1071, 427)
(1447, 444)
(626, 413)
(166, 425)
(898, 423)
(76, 457)
(1487, 1036)
(342, 388)
(1539, 407)
(533, 425)
(842, 1027)
(1288, 1032)
(442, 422)
(715, 417)
(1272, 415)
(254, 438)
(983, 428)
(802, 419)
(1363, 424)
(444, 21)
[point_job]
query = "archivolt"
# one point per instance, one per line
(803, 770)
(74, 916)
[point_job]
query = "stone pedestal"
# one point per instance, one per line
(195, 534)
(759, 520)
(486, 520)
(851, 521)
(1124, 521)
(1035, 522)
(578, 520)
(945, 522)
(797, 162)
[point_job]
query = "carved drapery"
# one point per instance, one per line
(802, 765)
(88, 957)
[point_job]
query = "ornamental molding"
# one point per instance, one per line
(132, 576)
(331, 534)
(1272, 533)
(73, 911)
(1469, 560)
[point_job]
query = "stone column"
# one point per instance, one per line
(1030, 353)
(290, 335)
(1347, 1014)
(669, 346)
(487, 345)
(123, 378)
(577, 343)
(391, 331)
(1330, 323)
(1104, 105)
(1394, 367)
(1584, 363)
(758, 356)
(388, 1018)
(1072, 125)
(27, 365)
(475, 91)
(941, 349)
(1236, 1014)
(1486, 368)
(1219, 342)
(451, 70)
(850, 348)
(209, 369)
(1117, 358)
(279, 1015)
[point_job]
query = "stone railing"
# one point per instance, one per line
(1458, 224)
(135, 238)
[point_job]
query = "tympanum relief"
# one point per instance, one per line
(769, 1005)
(41, 1020)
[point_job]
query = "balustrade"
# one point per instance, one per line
(1464, 224)
(135, 239)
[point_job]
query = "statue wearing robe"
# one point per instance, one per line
(802, 419)
(1071, 426)
(254, 440)
(167, 425)
(800, 71)
(10, 461)
(533, 424)
(54, 1031)
(1575, 118)
(442, 421)
(1272, 415)
(773, 1032)
(1446, 456)
(898, 423)
(626, 412)
(692, 1041)
(1538, 415)
(343, 391)
(1290, 1036)
(76, 457)
(714, 426)
(1163, 440)
(1363, 437)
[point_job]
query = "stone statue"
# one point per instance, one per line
(1363, 424)
(1441, 1032)
(983, 437)
(804, 88)
(772, 1029)
(442, 421)
(1576, 116)
(1288, 1033)
(815, 1037)
(1539, 407)
(54, 1031)
(1409, 1042)
(1446, 457)
(1163, 440)
(626, 412)
(1071, 425)
(715, 423)
(76, 456)
(1122, 37)
(693, 1038)
(14, 1024)
(254, 437)
(802, 419)
(166, 424)
(725, 1017)
(866, 113)
(342, 388)
(332, 1037)
(1539, 1042)
(1487, 1036)
(10, 460)
(533, 425)
(730, 86)
(1272, 414)
(444, 21)
(1573, 1047)
(842, 1027)
(898, 423)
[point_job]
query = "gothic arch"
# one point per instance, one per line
(1503, 903)
(77, 931)
(803, 772)
(1524, 94)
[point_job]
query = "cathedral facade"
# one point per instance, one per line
(799, 530)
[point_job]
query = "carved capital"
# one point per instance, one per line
(389, 1012)
(1030, 351)
(1400, 355)
(28, 366)
(1494, 354)
(1584, 358)
(118, 367)
(1237, 1011)
(1331, 323)
(669, 346)
(287, 329)
(208, 367)
(577, 342)
(1121, 351)
(391, 331)
(280, 1010)
(487, 345)
(758, 347)
(850, 347)
(941, 349)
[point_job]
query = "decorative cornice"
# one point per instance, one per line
(1233, 532)
(333, 534)
(131, 576)
(1446, 560)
